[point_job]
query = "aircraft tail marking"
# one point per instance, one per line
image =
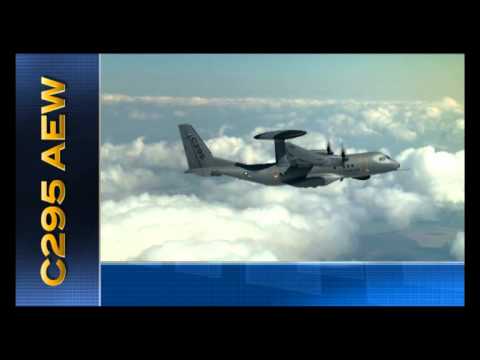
(197, 153)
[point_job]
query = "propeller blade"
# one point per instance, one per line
(344, 155)
(329, 148)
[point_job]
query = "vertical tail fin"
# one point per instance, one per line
(197, 153)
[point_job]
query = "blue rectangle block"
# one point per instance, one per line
(327, 284)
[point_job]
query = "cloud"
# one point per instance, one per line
(447, 103)
(117, 180)
(438, 174)
(143, 115)
(238, 149)
(136, 167)
(460, 124)
(433, 112)
(196, 101)
(397, 206)
(150, 206)
(171, 154)
(452, 104)
(245, 221)
(240, 221)
(139, 154)
(149, 227)
(179, 113)
(381, 119)
(213, 250)
(457, 248)
(349, 126)
(437, 123)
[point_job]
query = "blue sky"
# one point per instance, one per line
(425, 77)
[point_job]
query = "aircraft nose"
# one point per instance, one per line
(396, 164)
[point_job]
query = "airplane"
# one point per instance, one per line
(294, 165)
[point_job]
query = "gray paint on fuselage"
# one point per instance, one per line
(357, 165)
(297, 167)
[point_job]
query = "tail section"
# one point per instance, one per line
(197, 153)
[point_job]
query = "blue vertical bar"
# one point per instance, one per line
(80, 74)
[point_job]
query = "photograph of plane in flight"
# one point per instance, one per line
(282, 158)
(294, 165)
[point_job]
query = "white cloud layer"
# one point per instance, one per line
(457, 248)
(238, 221)
(196, 101)
(186, 228)
(438, 122)
(152, 211)
(438, 174)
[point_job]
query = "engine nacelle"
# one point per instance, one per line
(362, 177)
(314, 181)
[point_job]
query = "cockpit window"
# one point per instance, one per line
(388, 157)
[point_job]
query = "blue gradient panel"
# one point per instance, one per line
(80, 74)
(327, 284)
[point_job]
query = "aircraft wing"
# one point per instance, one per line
(298, 156)
(314, 180)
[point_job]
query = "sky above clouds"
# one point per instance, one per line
(424, 77)
(409, 106)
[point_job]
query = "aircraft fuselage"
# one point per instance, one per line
(294, 165)
(360, 166)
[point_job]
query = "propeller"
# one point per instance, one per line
(329, 148)
(344, 155)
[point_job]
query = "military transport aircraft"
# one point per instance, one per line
(293, 164)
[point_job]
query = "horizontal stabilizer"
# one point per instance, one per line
(280, 134)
